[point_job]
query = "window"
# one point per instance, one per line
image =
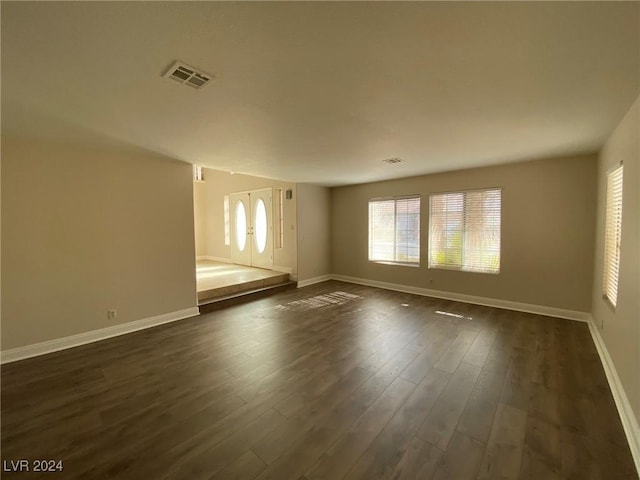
(612, 233)
(394, 230)
(464, 230)
(227, 239)
(198, 176)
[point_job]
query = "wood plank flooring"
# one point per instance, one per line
(330, 381)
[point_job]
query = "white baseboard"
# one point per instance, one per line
(314, 280)
(627, 417)
(63, 343)
(277, 268)
(459, 297)
(217, 259)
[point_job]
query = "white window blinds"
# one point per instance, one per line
(197, 174)
(394, 230)
(464, 230)
(613, 231)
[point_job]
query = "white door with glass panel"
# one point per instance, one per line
(252, 228)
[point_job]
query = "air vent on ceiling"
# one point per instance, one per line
(187, 75)
(392, 160)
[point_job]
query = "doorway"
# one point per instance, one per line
(251, 222)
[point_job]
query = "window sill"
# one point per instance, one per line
(401, 264)
(609, 303)
(462, 270)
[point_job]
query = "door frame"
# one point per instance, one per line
(251, 255)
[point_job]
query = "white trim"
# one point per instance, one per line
(217, 259)
(277, 268)
(459, 297)
(314, 280)
(63, 343)
(627, 417)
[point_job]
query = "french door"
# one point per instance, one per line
(252, 228)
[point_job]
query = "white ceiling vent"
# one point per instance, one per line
(392, 160)
(187, 75)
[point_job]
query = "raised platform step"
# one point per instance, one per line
(240, 296)
(240, 287)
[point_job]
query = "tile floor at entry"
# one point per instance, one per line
(218, 278)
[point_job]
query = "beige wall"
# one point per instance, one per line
(314, 231)
(620, 327)
(84, 231)
(216, 185)
(547, 232)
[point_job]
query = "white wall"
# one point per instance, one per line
(314, 231)
(620, 327)
(85, 231)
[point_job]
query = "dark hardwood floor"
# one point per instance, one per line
(325, 382)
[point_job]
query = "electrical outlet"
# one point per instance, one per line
(111, 314)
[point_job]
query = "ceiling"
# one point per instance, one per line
(323, 92)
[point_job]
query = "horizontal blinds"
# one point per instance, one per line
(408, 230)
(446, 230)
(382, 230)
(464, 232)
(613, 232)
(394, 230)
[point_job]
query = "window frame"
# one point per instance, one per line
(395, 199)
(227, 219)
(610, 285)
(278, 236)
(430, 242)
(198, 173)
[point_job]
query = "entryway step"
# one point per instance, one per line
(245, 295)
(242, 286)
